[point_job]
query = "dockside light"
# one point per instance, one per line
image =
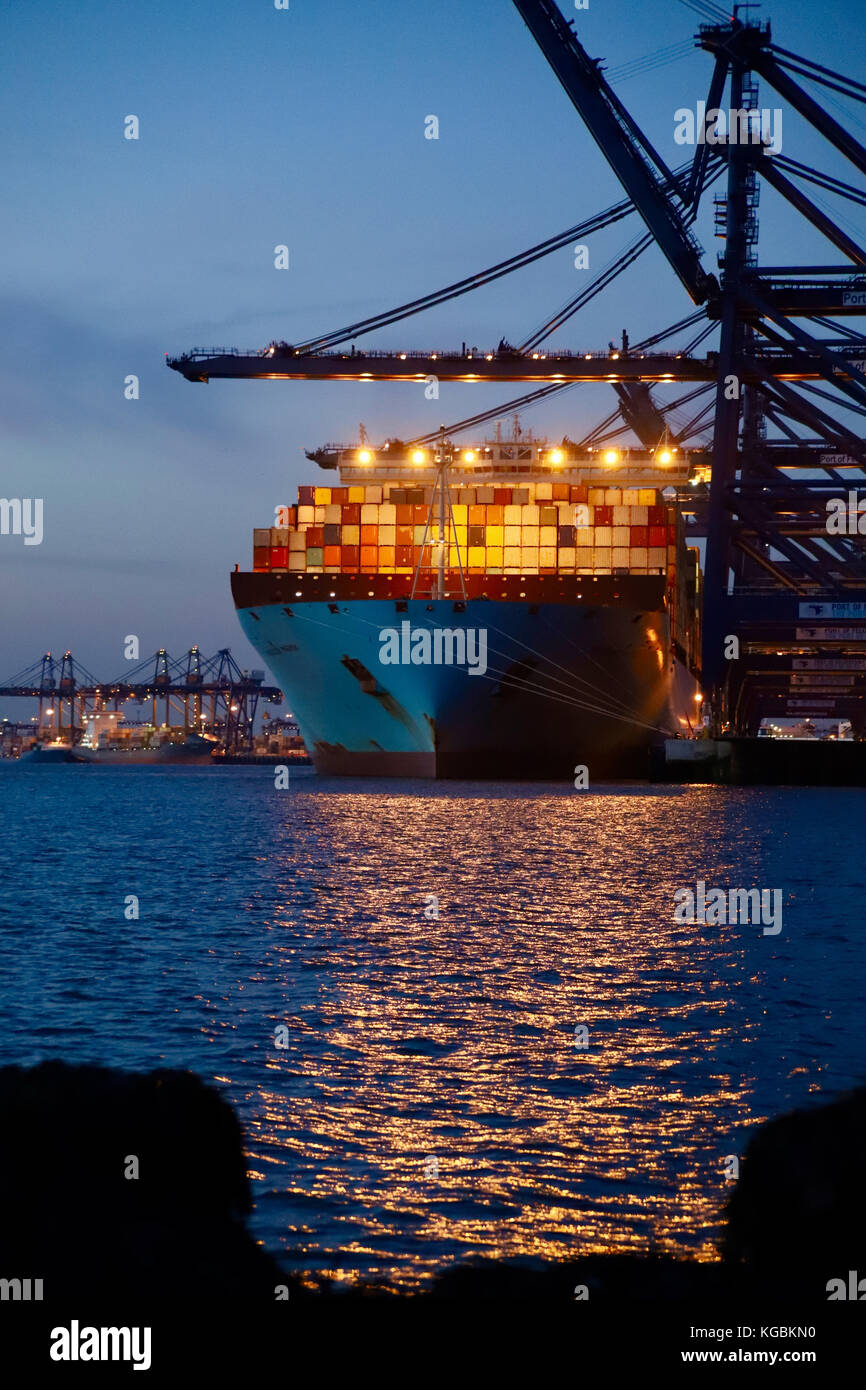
(418, 456)
(611, 456)
(364, 456)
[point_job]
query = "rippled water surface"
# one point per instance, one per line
(432, 1101)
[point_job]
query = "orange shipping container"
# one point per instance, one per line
(350, 556)
(386, 557)
(369, 535)
(369, 555)
(331, 555)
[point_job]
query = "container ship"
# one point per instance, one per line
(496, 611)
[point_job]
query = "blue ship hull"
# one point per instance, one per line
(566, 684)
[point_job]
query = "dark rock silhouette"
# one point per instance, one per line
(795, 1220)
(797, 1216)
(71, 1217)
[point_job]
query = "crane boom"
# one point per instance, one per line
(616, 137)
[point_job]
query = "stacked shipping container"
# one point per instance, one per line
(538, 528)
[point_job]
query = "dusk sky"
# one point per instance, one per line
(304, 127)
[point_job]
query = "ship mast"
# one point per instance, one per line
(446, 524)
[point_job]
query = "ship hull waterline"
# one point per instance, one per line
(567, 685)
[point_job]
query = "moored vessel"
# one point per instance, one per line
(505, 610)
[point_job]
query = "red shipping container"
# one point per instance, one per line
(578, 493)
(603, 516)
(420, 514)
(657, 535)
(425, 560)
(560, 492)
(306, 496)
(369, 556)
(502, 496)
(315, 536)
(339, 494)
(404, 555)
(404, 514)
(350, 557)
(279, 557)
(369, 535)
(351, 513)
(656, 517)
(404, 536)
(331, 555)
(638, 535)
(261, 557)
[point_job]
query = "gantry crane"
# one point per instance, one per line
(770, 564)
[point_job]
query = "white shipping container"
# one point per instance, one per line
(596, 496)
(511, 516)
(612, 496)
(373, 493)
(601, 556)
(620, 535)
(529, 514)
(387, 517)
(387, 536)
(306, 516)
(630, 497)
(603, 536)
(320, 513)
(639, 516)
(584, 535)
(279, 535)
(297, 541)
(619, 557)
(657, 557)
(369, 514)
(547, 535)
(333, 514)
(583, 556)
(566, 557)
(620, 516)
(297, 560)
(543, 492)
(261, 536)
(637, 557)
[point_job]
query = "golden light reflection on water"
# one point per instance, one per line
(433, 1103)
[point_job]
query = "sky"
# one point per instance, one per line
(305, 127)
